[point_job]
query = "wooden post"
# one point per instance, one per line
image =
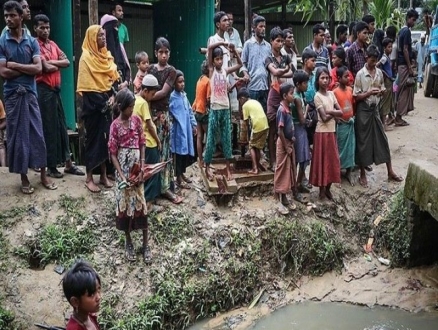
(283, 15)
(93, 13)
(248, 19)
(332, 19)
(77, 39)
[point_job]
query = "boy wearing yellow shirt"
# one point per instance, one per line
(253, 110)
(152, 186)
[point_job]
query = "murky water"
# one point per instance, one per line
(334, 316)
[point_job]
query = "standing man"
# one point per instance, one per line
(405, 57)
(26, 15)
(341, 36)
(371, 21)
(20, 62)
(421, 49)
(322, 53)
(49, 99)
(290, 48)
(232, 35)
(356, 58)
(255, 51)
(117, 11)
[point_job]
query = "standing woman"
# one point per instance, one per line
(96, 75)
(166, 76)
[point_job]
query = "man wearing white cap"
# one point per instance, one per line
(421, 47)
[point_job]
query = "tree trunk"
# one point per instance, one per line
(248, 19)
(93, 13)
(364, 7)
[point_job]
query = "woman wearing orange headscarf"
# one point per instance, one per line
(96, 76)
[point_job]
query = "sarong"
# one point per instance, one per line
(325, 167)
(131, 211)
(152, 186)
(386, 103)
(54, 125)
(218, 120)
(405, 94)
(24, 133)
(371, 141)
(163, 124)
(346, 143)
(97, 121)
(302, 148)
(258, 140)
(285, 171)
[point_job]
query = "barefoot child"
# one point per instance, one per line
(325, 167)
(284, 176)
(142, 61)
(152, 186)
(302, 148)
(371, 141)
(219, 116)
(200, 107)
(182, 131)
(81, 286)
(126, 147)
(253, 110)
(346, 137)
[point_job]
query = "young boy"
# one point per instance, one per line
(253, 110)
(371, 141)
(152, 186)
(2, 135)
(280, 68)
(356, 52)
(285, 173)
(385, 65)
(142, 62)
(81, 286)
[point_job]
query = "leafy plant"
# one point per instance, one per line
(6, 318)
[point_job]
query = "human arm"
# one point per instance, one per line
(61, 62)
(358, 92)
(237, 66)
(244, 69)
(282, 138)
(324, 113)
(167, 86)
(153, 132)
(30, 69)
(301, 115)
(7, 73)
(406, 42)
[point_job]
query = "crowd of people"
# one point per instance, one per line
(331, 114)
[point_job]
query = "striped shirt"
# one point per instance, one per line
(322, 56)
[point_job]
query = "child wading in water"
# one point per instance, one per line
(345, 128)
(302, 148)
(285, 171)
(219, 116)
(200, 107)
(81, 286)
(371, 141)
(182, 131)
(252, 109)
(325, 168)
(126, 146)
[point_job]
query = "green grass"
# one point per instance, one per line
(6, 318)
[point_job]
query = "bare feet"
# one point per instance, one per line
(261, 168)
(349, 177)
(92, 187)
(253, 171)
(208, 173)
(106, 182)
(186, 179)
(363, 181)
(229, 175)
(394, 177)
(329, 195)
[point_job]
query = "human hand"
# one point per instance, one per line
(293, 139)
(246, 77)
(11, 65)
(289, 150)
(123, 85)
(411, 71)
(159, 145)
(111, 101)
(195, 130)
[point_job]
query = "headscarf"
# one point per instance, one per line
(109, 24)
(97, 70)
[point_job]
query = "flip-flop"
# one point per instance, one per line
(403, 123)
(395, 178)
(55, 174)
(51, 186)
(29, 190)
(175, 199)
(74, 170)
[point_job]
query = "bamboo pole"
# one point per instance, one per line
(93, 12)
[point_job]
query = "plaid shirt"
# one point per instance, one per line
(355, 58)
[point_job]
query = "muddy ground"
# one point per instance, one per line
(34, 295)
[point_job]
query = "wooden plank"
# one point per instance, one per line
(212, 187)
(246, 177)
(231, 186)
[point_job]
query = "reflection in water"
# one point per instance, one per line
(335, 316)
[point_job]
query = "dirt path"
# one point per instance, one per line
(35, 295)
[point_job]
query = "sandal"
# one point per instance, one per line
(147, 255)
(50, 186)
(74, 170)
(283, 210)
(130, 253)
(300, 198)
(27, 190)
(54, 173)
(403, 123)
(175, 199)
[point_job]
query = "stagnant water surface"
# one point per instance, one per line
(336, 316)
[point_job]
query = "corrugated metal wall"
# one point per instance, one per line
(187, 24)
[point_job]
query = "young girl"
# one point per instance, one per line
(81, 286)
(219, 116)
(200, 107)
(325, 168)
(302, 148)
(165, 75)
(126, 146)
(338, 60)
(346, 137)
(284, 176)
(182, 131)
